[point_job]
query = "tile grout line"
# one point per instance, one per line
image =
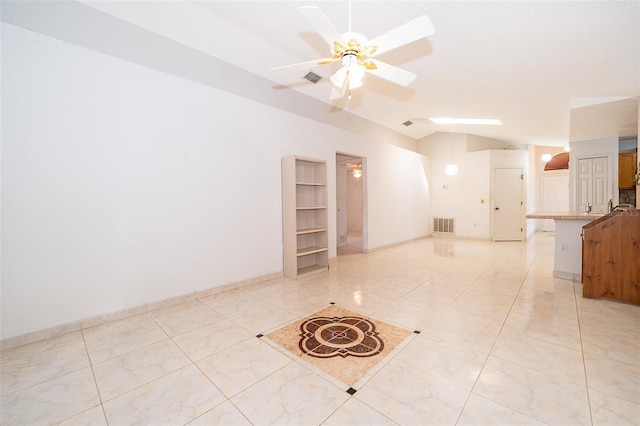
(95, 381)
(471, 392)
(584, 361)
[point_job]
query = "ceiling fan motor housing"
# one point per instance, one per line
(349, 59)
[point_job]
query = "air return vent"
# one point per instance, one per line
(407, 123)
(444, 225)
(312, 77)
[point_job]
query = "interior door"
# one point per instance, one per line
(508, 205)
(554, 194)
(593, 184)
(585, 183)
(601, 193)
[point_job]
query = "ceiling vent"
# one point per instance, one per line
(312, 77)
(407, 123)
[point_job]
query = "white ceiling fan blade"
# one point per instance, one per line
(392, 73)
(416, 29)
(320, 23)
(303, 65)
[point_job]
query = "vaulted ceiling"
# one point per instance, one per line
(523, 62)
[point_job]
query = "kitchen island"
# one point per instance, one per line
(568, 241)
(611, 257)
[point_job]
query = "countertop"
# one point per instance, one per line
(565, 215)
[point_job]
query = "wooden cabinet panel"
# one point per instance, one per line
(627, 165)
(611, 257)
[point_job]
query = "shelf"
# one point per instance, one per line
(310, 250)
(310, 270)
(311, 184)
(310, 231)
(305, 221)
(311, 207)
(310, 171)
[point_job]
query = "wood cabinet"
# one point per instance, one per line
(304, 216)
(627, 165)
(611, 257)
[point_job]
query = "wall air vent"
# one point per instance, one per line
(444, 225)
(407, 123)
(312, 77)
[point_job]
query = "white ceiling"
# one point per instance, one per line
(525, 63)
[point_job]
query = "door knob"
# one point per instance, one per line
(497, 208)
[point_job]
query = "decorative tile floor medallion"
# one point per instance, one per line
(325, 337)
(344, 344)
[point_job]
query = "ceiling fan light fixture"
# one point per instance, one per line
(352, 73)
(338, 78)
(355, 73)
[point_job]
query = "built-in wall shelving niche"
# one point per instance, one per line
(304, 216)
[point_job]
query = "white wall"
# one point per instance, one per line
(606, 147)
(618, 118)
(474, 198)
(123, 185)
(466, 196)
(397, 195)
(446, 191)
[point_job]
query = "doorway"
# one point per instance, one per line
(351, 211)
(508, 205)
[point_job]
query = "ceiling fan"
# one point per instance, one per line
(355, 53)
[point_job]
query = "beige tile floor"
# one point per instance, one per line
(501, 342)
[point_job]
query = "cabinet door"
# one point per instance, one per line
(627, 164)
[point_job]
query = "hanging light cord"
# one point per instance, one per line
(451, 142)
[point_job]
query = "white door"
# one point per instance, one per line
(554, 194)
(601, 193)
(593, 184)
(508, 205)
(585, 183)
